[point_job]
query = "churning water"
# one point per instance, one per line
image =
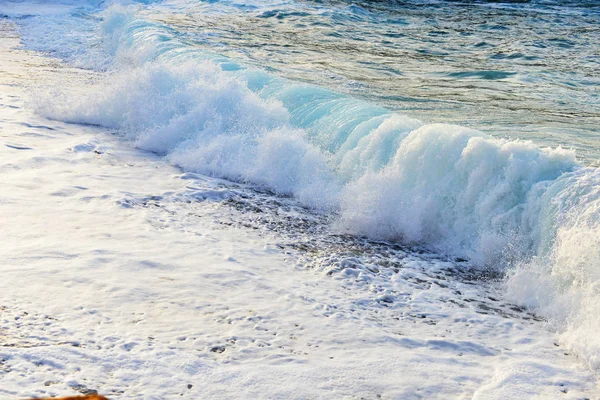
(468, 127)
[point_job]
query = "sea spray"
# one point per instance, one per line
(204, 121)
(456, 190)
(562, 281)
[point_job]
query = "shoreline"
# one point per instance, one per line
(125, 276)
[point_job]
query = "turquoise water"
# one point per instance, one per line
(526, 70)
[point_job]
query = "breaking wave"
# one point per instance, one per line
(505, 204)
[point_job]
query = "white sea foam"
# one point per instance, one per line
(205, 122)
(504, 204)
(457, 190)
(563, 281)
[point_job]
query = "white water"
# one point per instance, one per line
(510, 205)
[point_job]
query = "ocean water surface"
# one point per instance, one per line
(467, 127)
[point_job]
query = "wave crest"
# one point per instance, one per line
(534, 212)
